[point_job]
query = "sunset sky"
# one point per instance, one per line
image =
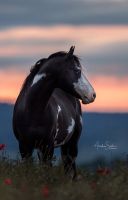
(33, 29)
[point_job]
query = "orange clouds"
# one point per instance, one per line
(112, 95)
(10, 84)
(18, 41)
(34, 42)
(111, 92)
(49, 32)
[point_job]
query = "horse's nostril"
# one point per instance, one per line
(94, 95)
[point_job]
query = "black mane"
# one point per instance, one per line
(57, 54)
(34, 69)
(62, 54)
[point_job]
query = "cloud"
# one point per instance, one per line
(111, 91)
(103, 49)
(110, 59)
(111, 94)
(42, 12)
(10, 85)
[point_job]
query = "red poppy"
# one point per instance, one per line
(2, 146)
(103, 171)
(100, 170)
(45, 191)
(8, 181)
(107, 171)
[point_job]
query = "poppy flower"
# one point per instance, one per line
(107, 171)
(103, 171)
(100, 170)
(45, 191)
(2, 146)
(8, 181)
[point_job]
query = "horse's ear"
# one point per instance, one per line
(71, 51)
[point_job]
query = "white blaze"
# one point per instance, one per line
(37, 78)
(83, 87)
(71, 127)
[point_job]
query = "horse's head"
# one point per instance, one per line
(66, 73)
(71, 78)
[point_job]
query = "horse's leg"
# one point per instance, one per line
(69, 153)
(72, 153)
(45, 154)
(26, 150)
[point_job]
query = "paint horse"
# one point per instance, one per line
(47, 112)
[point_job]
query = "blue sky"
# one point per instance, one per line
(51, 12)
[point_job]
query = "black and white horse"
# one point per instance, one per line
(47, 113)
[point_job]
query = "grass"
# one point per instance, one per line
(29, 181)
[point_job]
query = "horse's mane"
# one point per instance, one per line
(62, 54)
(35, 69)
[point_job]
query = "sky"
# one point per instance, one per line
(33, 29)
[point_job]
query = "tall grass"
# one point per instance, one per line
(32, 181)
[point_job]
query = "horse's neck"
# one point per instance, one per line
(39, 94)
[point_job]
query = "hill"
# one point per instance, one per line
(101, 133)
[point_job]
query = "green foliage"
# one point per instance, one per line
(32, 181)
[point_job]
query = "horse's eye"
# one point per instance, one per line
(78, 71)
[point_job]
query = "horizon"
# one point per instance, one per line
(83, 111)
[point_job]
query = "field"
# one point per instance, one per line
(32, 181)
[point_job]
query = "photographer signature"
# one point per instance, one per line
(106, 145)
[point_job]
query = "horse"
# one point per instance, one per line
(47, 113)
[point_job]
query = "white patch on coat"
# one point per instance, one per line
(37, 78)
(57, 128)
(38, 62)
(71, 126)
(70, 132)
(59, 109)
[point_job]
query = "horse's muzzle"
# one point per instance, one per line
(87, 100)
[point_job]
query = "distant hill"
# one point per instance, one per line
(104, 129)
(6, 133)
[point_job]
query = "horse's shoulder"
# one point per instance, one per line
(68, 104)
